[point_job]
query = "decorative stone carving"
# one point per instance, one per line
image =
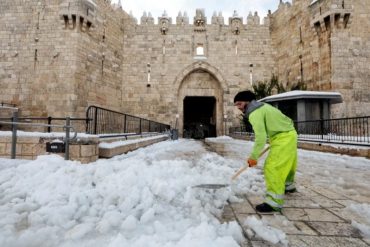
(200, 20)
(236, 23)
(164, 23)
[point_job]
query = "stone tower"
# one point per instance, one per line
(325, 44)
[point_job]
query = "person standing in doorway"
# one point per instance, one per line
(281, 163)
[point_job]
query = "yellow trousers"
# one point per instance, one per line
(280, 167)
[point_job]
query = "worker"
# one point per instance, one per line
(281, 163)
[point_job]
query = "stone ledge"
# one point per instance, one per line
(106, 152)
(85, 148)
(326, 147)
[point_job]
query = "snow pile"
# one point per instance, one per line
(147, 198)
(143, 198)
(266, 232)
(362, 210)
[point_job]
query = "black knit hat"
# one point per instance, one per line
(244, 96)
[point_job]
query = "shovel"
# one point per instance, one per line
(219, 186)
(246, 166)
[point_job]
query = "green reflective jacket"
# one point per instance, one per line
(267, 121)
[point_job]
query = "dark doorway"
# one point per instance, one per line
(199, 117)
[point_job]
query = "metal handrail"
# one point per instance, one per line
(347, 131)
(67, 127)
(48, 119)
(7, 104)
(105, 121)
(45, 125)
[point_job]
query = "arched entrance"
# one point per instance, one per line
(199, 117)
(200, 103)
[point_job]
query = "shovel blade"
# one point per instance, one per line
(211, 186)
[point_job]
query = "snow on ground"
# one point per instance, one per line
(146, 197)
(340, 173)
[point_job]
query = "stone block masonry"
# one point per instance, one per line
(84, 149)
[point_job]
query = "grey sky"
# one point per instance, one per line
(172, 7)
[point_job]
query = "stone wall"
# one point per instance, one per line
(326, 45)
(85, 149)
(161, 64)
(37, 59)
(351, 60)
(58, 57)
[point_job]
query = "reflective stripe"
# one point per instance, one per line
(272, 203)
(275, 196)
(289, 186)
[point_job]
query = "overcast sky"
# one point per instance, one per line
(227, 7)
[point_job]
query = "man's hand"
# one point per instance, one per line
(252, 162)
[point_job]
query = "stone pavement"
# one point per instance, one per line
(312, 216)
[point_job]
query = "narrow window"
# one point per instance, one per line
(200, 50)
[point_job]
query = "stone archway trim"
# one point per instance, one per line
(203, 66)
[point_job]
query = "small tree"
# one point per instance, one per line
(275, 84)
(298, 86)
(264, 89)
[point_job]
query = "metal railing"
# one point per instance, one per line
(113, 123)
(355, 131)
(349, 131)
(15, 123)
(50, 122)
(3, 104)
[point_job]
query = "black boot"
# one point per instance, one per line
(265, 208)
(290, 190)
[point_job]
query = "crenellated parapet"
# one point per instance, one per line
(78, 14)
(236, 23)
(253, 19)
(147, 19)
(217, 19)
(328, 15)
(182, 19)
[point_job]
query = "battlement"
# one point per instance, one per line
(200, 19)
(329, 14)
(80, 13)
(84, 14)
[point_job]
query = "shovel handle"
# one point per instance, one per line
(245, 167)
(240, 171)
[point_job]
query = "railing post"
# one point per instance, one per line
(14, 135)
(95, 120)
(322, 128)
(49, 122)
(66, 153)
(87, 122)
(125, 124)
(139, 125)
